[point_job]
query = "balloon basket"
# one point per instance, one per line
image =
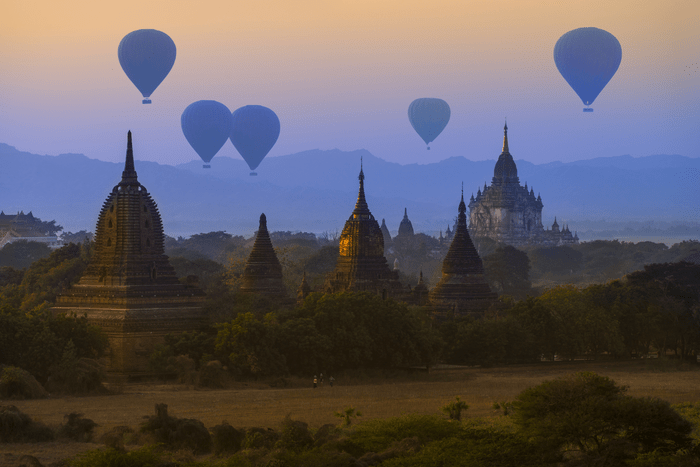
(146, 101)
(253, 174)
(207, 166)
(588, 109)
(428, 148)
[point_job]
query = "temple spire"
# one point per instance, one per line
(505, 139)
(361, 205)
(129, 174)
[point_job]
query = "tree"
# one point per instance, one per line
(507, 272)
(591, 417)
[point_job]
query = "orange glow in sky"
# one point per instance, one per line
(342, 74)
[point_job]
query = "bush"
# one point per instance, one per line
(294, 435)
(16, 426)
(16, 383)
(114, 438)
(73, 375)
(144, 457)
(226, 439)
(177, 433)
(213, 375)
(454, 409)
(260, 438)
(77, 428)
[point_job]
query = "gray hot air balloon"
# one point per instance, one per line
(428, 116)
(206, 126)
(587, 58)
(254, 131)
(147, 56)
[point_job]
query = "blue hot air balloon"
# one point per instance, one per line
(147, 56)
(206, 125)
(254, 131)
(587, 58)
(428, 116)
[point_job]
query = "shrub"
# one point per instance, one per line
(16, 383)
(213, 375)
(454, 409)
(77, 428)
(346, 415)
(260, 438)
(73, 375)
(294, 435)
(183, 366)
(16, 426)
(226, 439)
(177, 433)
(144, 457)
(114, 438)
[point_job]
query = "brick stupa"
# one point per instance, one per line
(462, 290)
(129, 289)
(361, 263)
(263, 272)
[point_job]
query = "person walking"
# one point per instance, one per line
(330, 380)
(315, 382)
(321, 379)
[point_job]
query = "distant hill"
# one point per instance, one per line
(315, 190)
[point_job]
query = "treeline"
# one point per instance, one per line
(327, 333)
(652, 310)
(655, 309)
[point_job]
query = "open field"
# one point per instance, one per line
(257, 404)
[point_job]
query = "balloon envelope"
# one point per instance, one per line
(587, 58)
(254, 131)
(147, 56)
(206, 126)
(428, 116)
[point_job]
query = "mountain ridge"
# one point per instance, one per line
(315, 190)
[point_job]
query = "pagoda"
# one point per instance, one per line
(129, 289)
(263, 271)
(361, 262)
(462, 290)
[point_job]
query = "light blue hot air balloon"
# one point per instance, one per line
(147, 56)
(428, 116)
(206, 125)
(254, 131)
(587, 58)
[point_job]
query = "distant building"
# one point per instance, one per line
(263, 271)
(463, 289)
(405, 227)
(507, 212)
(129, 289)
(362, 266)
(21, 226)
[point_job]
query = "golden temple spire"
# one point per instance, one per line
(361, 205)
(505, 138)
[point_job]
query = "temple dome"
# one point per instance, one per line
(129, 236)
(505, 166)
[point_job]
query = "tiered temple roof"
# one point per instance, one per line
(129, 288)
(263, 272)
(361, 263)
(462, 289)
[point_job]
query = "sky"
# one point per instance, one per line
(341, 74)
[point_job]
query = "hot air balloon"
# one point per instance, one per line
(254, 131)
(428, 116)
(147, 56)
(206, 125)
(587, 58)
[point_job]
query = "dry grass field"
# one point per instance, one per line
(258, 404)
